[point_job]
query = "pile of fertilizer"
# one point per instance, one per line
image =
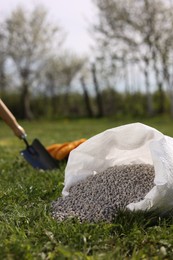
(102, 195)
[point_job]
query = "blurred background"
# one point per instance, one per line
(91, 58)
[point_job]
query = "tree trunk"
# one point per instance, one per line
(97, 90)
(161, 108)
(25, 101)
(2, 77)
(66, 105)
(25, 97)
(147, 85)
(86, 98)
(166, 76)
(51, 90)
(171, 101)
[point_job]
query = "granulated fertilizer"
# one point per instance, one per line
(101, 196)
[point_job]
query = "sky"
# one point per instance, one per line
(73, 15)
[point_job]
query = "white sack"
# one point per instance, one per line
(128, 144)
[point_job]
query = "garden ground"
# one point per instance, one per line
(27, 230)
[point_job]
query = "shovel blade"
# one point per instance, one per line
(38, 156)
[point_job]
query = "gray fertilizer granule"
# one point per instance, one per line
(102, 195)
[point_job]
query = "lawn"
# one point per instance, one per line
(27, 230)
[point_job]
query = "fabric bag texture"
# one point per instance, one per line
(127, 144)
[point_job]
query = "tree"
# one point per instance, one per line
(141, 32)
(71, 65)
(59, 74)
(31, 39)
(3, 50)
(53, 81)
(86, 97)
(99, 101)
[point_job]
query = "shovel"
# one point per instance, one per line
(38, 156)
(35, 154)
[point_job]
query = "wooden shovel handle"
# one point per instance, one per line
(10, 120)
(7, 116)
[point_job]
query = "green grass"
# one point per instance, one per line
(27, 230)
